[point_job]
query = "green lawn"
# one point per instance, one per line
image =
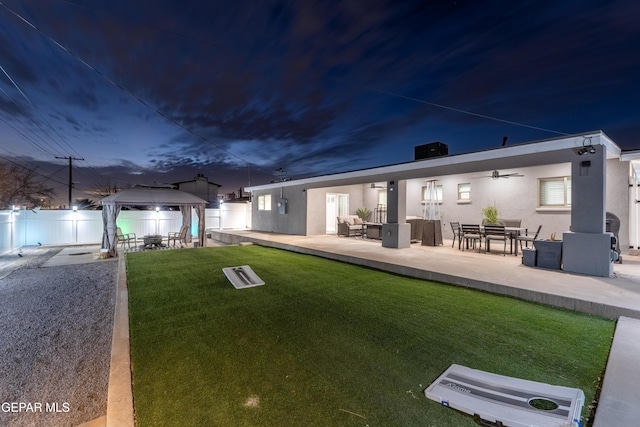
(325, 343)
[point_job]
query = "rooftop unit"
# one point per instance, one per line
(431, 150)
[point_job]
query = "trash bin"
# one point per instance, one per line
(549, 253)
(529, 257)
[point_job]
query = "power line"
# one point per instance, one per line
(457, 110)
(219, 45)
(30, 170)
(123, 89)
(271, 60)
(24, 95)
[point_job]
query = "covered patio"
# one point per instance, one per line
(592, 173)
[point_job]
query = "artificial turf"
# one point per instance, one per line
(325, 343)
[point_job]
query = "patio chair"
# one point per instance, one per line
(471, 232)
(496, 232)
(457, 233)
(526, 238)
(125, 238)
(178, 237)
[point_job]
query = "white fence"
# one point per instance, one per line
(66, 227)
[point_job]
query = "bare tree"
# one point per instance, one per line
(105, 188)
(21, 187)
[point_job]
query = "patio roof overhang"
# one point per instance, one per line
(544, 152)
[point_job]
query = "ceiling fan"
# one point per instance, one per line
(373, 185)
(495, 174)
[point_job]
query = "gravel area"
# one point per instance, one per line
(56, 325)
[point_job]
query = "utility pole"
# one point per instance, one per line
(71, 159)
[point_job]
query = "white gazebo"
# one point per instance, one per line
(149, 196)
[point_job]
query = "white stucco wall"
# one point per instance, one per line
(515, 197)
(317, 207)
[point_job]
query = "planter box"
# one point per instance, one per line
(549, 253)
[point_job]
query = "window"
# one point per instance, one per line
(382, 197)
(464, 192)
(428, 194)
(342, 206)
(264, 202)
(554, 192)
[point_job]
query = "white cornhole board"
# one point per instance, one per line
(242, 277)
(505, 400)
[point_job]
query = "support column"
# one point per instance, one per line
(396, 233)
(586, 249)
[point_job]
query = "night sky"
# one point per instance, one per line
(158, 91)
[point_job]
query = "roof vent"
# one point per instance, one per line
(431, 150)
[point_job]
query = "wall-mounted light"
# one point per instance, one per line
(587, 147)
(75, 208)
(157, 208)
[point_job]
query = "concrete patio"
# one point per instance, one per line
(607, 297)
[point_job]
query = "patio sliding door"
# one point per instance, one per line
(337, 205)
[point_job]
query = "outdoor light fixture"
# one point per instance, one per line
(75, 208)
(587, 148)
(157, 208)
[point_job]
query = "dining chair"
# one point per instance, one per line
(457, 233)
(526, 238)
(471, 232)
(495, 232)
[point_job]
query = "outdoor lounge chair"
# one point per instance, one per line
(350, 225)
(496, 232)
(125, 238)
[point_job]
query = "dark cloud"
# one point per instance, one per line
(305, 84)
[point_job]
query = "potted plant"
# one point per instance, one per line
(490, 215)
(363, 214)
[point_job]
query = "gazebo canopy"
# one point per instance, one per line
(149, 196)
(153, 196)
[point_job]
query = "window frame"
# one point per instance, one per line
(461, 192)
(264, 202)
(565, 181)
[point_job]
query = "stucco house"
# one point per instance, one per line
(565, 184)
(200, 186)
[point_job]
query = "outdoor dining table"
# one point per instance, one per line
(513, 232)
